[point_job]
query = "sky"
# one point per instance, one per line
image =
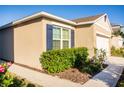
(14, 12)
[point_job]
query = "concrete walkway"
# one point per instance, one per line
(41, 78)
(109, 76)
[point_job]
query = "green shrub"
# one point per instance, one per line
(91, 67)
(55, 61)
(117, 52)
(95, 64)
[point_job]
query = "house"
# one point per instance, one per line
(117, 40)
(24, 40)
(93, 32)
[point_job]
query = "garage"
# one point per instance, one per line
(102, 42)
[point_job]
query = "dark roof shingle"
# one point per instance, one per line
(87, 19)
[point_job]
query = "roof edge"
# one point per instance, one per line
(40, 14)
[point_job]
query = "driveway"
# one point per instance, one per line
(118, 61)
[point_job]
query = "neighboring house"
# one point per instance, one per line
(117, 41)
(24, 40)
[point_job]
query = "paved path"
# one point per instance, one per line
(41, 78)
(109, 76)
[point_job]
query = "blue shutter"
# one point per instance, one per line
(72, 38)
(49, 37)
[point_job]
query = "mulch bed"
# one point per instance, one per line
(121, 81)
(74, 75)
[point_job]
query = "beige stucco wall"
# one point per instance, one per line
(28, 43)
(84, 37)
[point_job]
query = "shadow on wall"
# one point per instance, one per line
(7, 43)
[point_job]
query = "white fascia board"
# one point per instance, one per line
(45, 14)
(84, 23)
(40, 14)
(21, 20)
(27, 18)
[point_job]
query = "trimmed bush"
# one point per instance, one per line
(55, 61)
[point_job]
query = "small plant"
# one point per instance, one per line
(9, 80)
(5, 78)
(100, 55)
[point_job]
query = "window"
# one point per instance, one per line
(56, 33)
(65, 44)
(65, 34)
(56, 37)
(56, 44)
(61, 37)
(65, 37)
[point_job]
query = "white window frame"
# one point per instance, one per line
(61, 39)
